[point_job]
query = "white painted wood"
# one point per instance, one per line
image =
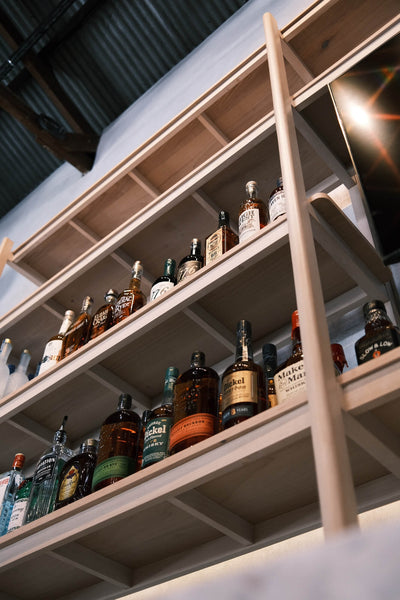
(360, 213)
(207, 204)
(295, 61)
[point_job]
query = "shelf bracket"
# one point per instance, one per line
(144, 183)
(213, 129)
(200, 316)
(118, 385)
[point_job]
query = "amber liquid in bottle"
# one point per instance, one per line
(76, 475)
(103, 318)
(252, 213)
(54, 348)
(221, 240)
(78, 334)
(191, 263)
(131, 299)
(380, 333)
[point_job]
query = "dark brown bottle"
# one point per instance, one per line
(270, 364)
(195, 405)
(132, 298)
(165, 282)
(242, 387)
(75, 479)
(277, 201)
(339, 358)
(380, 333)
(118, 445)
(191, 263)
(290, 376)
(221, 240)
(78, 334)
(103, 318)
(252, 213)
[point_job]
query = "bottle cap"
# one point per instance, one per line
(91, 443)
(110, 294)
(223, 218)
(87, 303)
(170, 263)
(295, 321)
(146, 415)
(243, 327)
(198, 359)
(171, 373)
(60, 436)
(19, 461)
(251, 188)
(373, 305)
(70, 314)
(125, 401)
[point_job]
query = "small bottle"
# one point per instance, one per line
(75, 479)
(252, 213)
(20, 505)
(166, 281)
(242, 386)
(77, 334)
(221, 240)
(132, 298)
(19, 377)
(290, 377)
(145, 417)
(118, 445)
(195, 405)
(8, 488)
(380, 333)
(277, 201)
(191, 263)
(53, 350)
(339, 358)
(270, 364)
(103, 318)
(5, 350)
(158, 426)
(46, 476)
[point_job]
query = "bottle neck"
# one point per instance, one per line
(376, 318)
(67, 322)
(195, 248)
(223, 219)
(24, 362)
(169, 385)
(87, 306)
(244, 348)
(169, 268)
(6, 348)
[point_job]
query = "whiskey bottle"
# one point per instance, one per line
(19, 377)
(191, 263)
(118, 445)
(242, 387)
(5, 350)
(290, 377)
(221, 240)
(78, 333)
(20, 505)
(165, 282)
(252, 213)
(53, 350)
(339, 358)
(270, 364)
(8, 488)
(103, 318)
(380, 333)
(145, 417)
(277, 201)
(195, 405)
(132, 298)
(158, 426)
(75, 480)
(46, 476)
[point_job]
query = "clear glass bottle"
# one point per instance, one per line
(221, 240)
(8, 488)
(77, 334)
(19, 377)
(195, 405)
(5, 350)
(252, 213)
(380, 333)
(132, 298)
(270, 364)
(46, 476)
(277, 201)
(53, 350)
(118, 445)
(20, 505)
(103, 318)
(290, 376)
(191, 263)
(75, 479)
(158, 426)
(165, 282)
(242, 384)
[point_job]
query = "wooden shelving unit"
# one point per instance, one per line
(256, 483)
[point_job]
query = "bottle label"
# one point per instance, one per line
(239, 410)
(123, 307)
(18, 514)
(3, 486)
(200, 425)
(368, 348)
(187, 269)
(277, 205)
(249, 223)
(156, 440)
(239, 387)
(69, 484)
(100, 318)
(214, 246)
(45, 469)
(51, 355)
(289, 381)
(161, 288)
(114, 467)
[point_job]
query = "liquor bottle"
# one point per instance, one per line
(158, 426)
(191, 263)
(277, 201)
(242, 386)
(5, 350)
(8, 488)
(252, 213)
(221, 240)
(380, 333)
(118, 445)
(103, 318)
(195, 405)
(20, 505)
(46, 476)
(19, 377)
(270, 363)
(75, 479)
(145, 417)
(77, 334)
(132, 298)
(290, 377)
(53, 350)
(166, 281)
(339, 358)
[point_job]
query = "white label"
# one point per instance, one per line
(277, 205)
(159, 289)
(51, 355)
(289, 381)
(18, 514)
(249, 223)
(3, 486)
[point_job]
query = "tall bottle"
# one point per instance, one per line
(270, 364)
(195, 405)
(75, 479)
(221, 240)
(146, 414)
(165, 282)
(103, 318)
(20, 505)
(277, 201)
(8, 488)
(159, 422)
(5, 350)
(118, 445)
(19, 377)
(191, 263)
(53, 350)
(252, 213)
(242, 386)
(77, 334)
(132, 298)
(380, 333)
(290, 376)
(46, 476)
